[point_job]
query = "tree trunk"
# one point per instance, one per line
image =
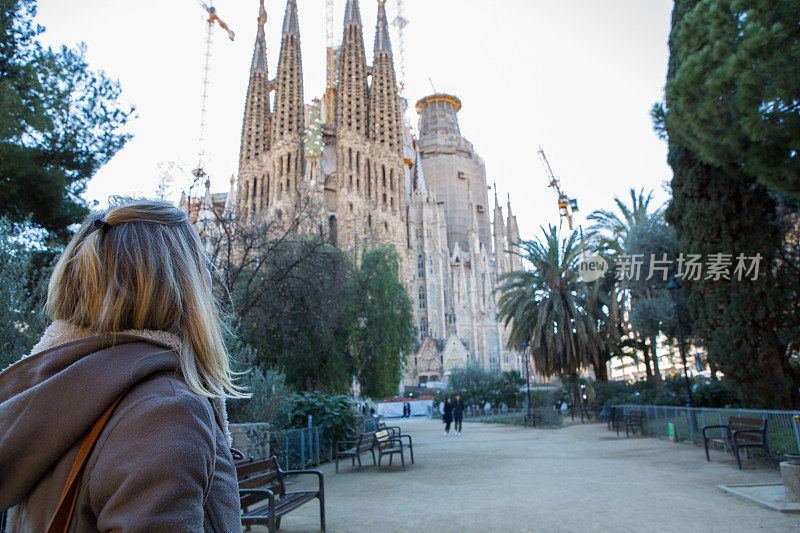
(646, 357)
(656, 370)
(601, 372)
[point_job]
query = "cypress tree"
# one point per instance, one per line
(743, 323)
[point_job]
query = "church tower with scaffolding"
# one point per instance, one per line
(370, 182)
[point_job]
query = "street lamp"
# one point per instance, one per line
(673, 287)
(525, 350)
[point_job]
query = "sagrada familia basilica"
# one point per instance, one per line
(371, 182)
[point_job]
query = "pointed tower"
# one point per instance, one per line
(384, 116)
(351, 105)
(255, 126)
(287, 120)
(285, 165)
(499, 235)
(513, 238)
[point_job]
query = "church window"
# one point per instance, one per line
(461, 175)
(420, 266)
(350, 157)
(358, 162)
(383, 174)
(391, 203)
(350, 205)
(422, 297)
(423, 325)
(384, 198)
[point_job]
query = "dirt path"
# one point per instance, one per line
(578, 478)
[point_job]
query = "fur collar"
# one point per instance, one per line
(62, 332)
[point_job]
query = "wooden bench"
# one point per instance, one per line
(634, 419)
(396, 431)
(261, 481)
(741, 432)
(354, 448)
(533, 417)
(386, 444)
(615, 417)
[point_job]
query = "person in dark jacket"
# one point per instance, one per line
(458, 413)
(134, 322)
(447, 416)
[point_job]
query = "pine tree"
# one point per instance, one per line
(734, 94)
(59, 123)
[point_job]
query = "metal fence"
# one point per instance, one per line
(299, 448)
(486, 414)
(783, 434)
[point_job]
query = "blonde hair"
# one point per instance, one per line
(145, 268)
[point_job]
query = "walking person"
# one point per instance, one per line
(127, 386)
(447, 416)
(458, 413)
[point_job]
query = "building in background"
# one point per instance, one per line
(355, 165)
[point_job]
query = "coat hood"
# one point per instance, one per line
(49, 399)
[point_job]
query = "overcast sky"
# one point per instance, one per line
(577, 77)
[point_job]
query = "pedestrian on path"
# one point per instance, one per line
(458, 413)
(447, 416)
(135, 363)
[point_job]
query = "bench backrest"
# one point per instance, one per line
(261, 474)
(365, 442)
(636, 415)
(749, 424)
(382, 438)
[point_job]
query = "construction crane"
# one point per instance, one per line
(330, 64)
(400, 22)
(213, 18)
(566, 205)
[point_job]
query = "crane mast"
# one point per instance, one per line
(400, 22)
(213, 18)
(566, 205)
(330, 64)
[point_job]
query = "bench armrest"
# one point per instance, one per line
(320, 476)
(248, 497)
(714, 427)
(351, 442)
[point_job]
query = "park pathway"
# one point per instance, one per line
(578, 478)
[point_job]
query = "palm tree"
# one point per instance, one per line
(610, 232)
(549, 309)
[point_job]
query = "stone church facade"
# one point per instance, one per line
(369, 182)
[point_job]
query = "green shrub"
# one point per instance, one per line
(333, 414)
(272, 400)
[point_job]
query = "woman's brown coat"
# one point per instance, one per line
(162, 462)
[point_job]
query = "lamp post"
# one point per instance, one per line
(673, 287)
(525, 350)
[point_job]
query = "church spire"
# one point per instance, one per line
(290, 23)
(255, 125)
(499, 235)
(287, 120)
(351, 106)
(382, 43)
(352, 14)
(384, 113)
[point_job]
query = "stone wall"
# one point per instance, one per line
(251, 439)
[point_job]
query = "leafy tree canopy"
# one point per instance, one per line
(59, 123)
(734, 95)
(383, 323)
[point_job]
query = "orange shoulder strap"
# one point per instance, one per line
(66, 504)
